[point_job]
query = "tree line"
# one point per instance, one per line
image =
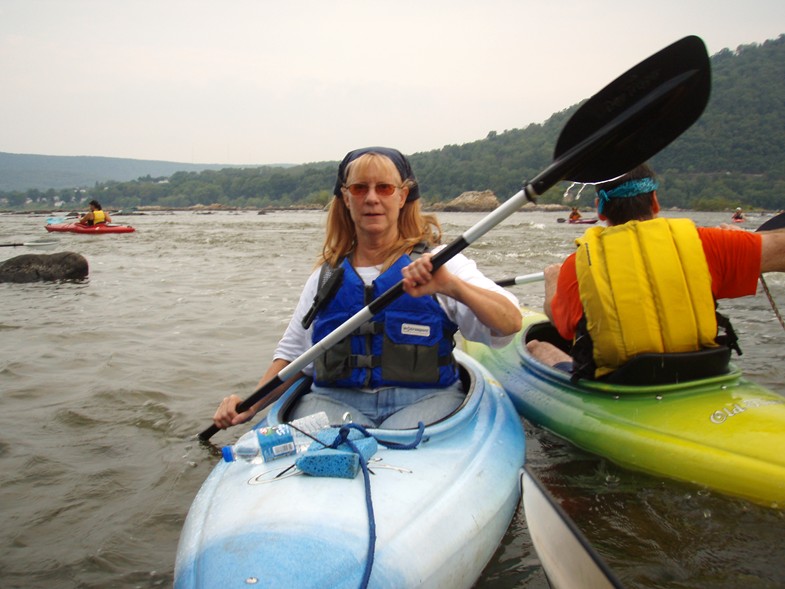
(733, 156)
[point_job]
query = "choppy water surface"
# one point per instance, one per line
(103, 385)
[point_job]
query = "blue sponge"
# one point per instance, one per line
(329, 463)
(341, 462)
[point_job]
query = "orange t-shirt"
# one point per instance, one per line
(734, 263)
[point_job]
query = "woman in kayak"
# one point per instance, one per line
(647, 285)
(96, 215)
(397, 369)
(575, 214)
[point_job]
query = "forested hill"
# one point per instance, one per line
(25, 171)
(734, 155)
(736, 151)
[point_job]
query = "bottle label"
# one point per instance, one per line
(275, 441)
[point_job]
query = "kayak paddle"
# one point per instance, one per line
(30, 244)
(524, 279)
(776, 222)
(621, 126)
(555, 536)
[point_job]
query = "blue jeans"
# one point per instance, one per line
(389, 408)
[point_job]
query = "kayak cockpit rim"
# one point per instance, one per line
(724, 373)
(279, 413)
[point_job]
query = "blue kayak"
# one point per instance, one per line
(440, 510)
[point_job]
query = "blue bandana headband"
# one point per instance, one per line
(629, 188)
(401, 163)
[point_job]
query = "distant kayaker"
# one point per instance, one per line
(738, 215)
(575, 214)
(398, 369)
(96, 216)
(647, 285)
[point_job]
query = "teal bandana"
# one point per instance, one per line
(629, 188)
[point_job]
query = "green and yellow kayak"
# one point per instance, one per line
(723, 432)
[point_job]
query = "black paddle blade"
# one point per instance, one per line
(640, 112)
(776, 222)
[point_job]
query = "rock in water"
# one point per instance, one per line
(37, 267)
(471, 201)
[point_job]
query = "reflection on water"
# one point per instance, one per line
(103, 385)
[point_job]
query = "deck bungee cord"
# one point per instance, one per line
(332, 459)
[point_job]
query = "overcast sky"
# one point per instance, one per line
(295, 81)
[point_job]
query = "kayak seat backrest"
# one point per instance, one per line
(546, 332)
(650, 369)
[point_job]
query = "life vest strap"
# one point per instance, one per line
(370, 328)
(368, 361)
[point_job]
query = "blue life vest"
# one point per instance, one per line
(409, 343)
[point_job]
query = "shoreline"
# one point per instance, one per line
(217, 208)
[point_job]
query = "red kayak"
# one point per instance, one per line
(91, 229)
(577, 221)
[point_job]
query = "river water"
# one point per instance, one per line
(103, 385)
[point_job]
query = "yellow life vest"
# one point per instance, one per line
(645, 287)
(99, 217)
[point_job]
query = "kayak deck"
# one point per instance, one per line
(89, 229)
(440, 510)
(723, 432)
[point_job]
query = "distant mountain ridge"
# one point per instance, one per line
(42, 172)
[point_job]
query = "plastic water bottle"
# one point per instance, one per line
(275, 441)
(246, 448)
(305, 427)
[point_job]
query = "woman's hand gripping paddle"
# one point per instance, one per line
(621, 126)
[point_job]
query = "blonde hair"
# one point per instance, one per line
(414, 226)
